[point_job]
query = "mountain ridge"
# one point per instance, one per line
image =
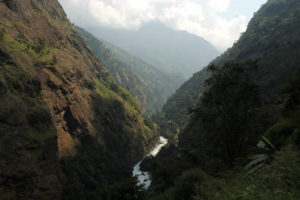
(171, 51)
(64, 122)
(150, 86)
(257, 44)
(239, 119)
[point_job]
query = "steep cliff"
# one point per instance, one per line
(58, 105)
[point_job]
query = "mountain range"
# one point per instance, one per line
(172, 51)
(74, 109)
(150, 86)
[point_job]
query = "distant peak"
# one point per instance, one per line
(154, 25)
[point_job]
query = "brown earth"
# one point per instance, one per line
(54, 93)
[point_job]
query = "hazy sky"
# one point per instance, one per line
(218, 21)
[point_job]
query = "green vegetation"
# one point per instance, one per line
(271, 38)
(221, 156)
(227, 108)
(171, 51)
(124, 190)
(278, 180)
(67, 129)
(148, 85)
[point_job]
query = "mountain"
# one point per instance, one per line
(241, 139)
(150, 86)
(171, 51)
(271, 38)
(66, 128)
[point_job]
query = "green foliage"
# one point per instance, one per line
(26, 151)
(127, 137)
(87, 172)
(176, 108)
(149, 86)
(171, 51)
(124, 190)
(293, 92)
(89, 84)
(290, 119)
(272, 37)
(148, 122)
(228, 116)
(226, 109)
(185, 185)
(5, 58)
(280, 131)
(37, 50)
(38, 74)
(277, 180)
(269, 173)
(38, 116)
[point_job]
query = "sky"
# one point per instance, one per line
(220, 22)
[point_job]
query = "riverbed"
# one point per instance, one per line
(144, 177)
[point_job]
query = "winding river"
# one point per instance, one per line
(144, 177)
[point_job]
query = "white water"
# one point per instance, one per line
(144, 177)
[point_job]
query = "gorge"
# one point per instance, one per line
(82, 119)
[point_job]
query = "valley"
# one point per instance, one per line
(108, 113)
(150, 86)
(174, 52)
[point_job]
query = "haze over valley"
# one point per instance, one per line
(174, 52)
(149, 100)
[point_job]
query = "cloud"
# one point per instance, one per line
(201, 17)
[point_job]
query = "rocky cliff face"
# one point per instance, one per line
(56, 99)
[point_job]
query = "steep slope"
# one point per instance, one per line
(66, 127)
(150, 86)
(242, 138)
(272, 37)
(175, 52)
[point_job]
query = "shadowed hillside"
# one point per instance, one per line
(66, 127)
(241, 139)
(272, 38)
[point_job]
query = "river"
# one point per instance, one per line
(144, 177)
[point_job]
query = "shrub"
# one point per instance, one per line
(185, 186)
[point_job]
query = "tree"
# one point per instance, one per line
(227, 107)
(293, 92)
